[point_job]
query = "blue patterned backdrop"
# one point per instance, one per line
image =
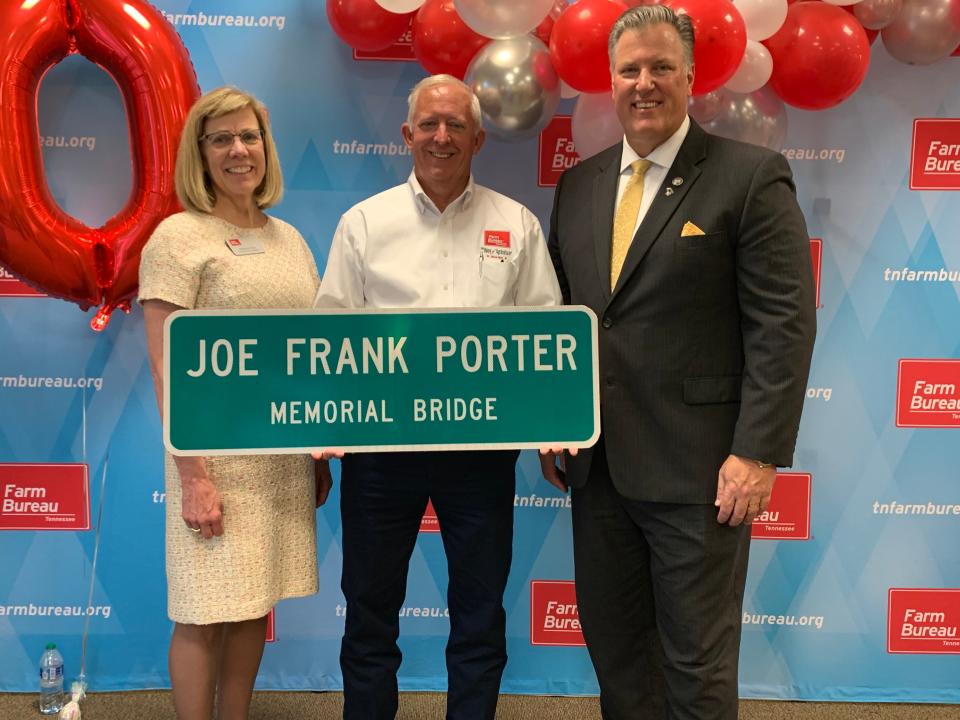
(817, 610)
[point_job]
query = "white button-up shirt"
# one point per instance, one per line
(397, 250)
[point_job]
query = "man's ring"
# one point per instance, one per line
(194, 529)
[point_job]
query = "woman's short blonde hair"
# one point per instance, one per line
(194, 188)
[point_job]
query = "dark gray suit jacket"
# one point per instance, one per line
(705, 343)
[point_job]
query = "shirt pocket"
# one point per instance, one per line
(497, 283)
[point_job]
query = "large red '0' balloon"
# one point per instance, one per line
(40, 243)
(442, 41)
(578, 44)
(720, 37)
(365, 25)
(820, 56)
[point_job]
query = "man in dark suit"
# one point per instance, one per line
(692, 251)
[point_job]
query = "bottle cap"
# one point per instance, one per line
(51, 646)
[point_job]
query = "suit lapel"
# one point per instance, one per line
(604, 202)
(669, 196)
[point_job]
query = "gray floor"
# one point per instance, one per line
(156, 705)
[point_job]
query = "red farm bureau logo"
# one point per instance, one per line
(496, 238)
(36, 496)
(400, 51)
(557, 152)
(10, 286)
(429, 522)
(923, 621)
(816, 257)
(928, 393)
(935, 159)
(788, 515)
(554, 618)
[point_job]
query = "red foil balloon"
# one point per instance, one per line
(720, 39)
(545, 28)
(442, 41)
(820, 56)
(578, 44)
(141, 51)
(365, 25)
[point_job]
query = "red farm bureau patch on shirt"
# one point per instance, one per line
(496, 238)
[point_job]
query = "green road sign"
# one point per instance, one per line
(273, 381)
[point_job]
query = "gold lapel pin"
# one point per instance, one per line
(668, 192)
(677, 181)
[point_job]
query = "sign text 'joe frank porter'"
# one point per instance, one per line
(241, 382)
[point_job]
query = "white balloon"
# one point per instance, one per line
(762, 17)
(595, 125)
(501, 19)
(400, 6)
(754, 71)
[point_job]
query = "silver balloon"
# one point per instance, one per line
(925, 31)
(502, 19)
(518, 88)
(759, 118)
(877, 14)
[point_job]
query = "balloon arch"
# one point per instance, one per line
(751, 56)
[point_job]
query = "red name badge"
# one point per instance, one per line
(554, 616)
(36, 496)
(496, 238)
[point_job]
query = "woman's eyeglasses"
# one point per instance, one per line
(224, 139)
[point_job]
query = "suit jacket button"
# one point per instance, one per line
(610, 381)
(607, 323)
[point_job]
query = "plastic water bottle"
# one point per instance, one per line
(51, 680)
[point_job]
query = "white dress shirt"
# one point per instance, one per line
(661, 159)
(397, 250)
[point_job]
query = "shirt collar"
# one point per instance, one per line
(423, 201)
(664, 154)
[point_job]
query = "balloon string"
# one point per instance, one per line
(93, 575)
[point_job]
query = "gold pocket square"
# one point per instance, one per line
(689, 229)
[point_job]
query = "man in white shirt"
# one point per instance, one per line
(438, 240)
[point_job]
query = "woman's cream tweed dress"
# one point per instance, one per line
(268, 547)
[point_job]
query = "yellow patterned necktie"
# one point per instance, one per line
(626, 219)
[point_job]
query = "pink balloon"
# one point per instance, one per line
(595, 125)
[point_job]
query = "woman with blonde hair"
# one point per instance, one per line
(240, 530)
